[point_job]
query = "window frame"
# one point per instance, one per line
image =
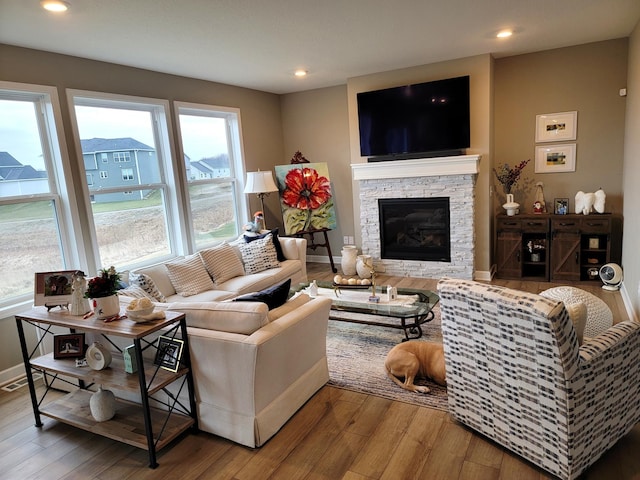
(169, 185)
(58, 165)
(233, 123)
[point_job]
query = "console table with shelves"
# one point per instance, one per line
(549, 247)
(136, 424)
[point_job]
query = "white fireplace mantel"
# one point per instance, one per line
(420, 167)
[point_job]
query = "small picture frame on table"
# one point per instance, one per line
(53, 289)
(560, 206)
(68, 346)
(169, 353)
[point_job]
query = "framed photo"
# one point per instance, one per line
(556, 127)
(53, 288)
(169, 353)
(594, 243)
(560, 206)
(68, 346)
(556, 158)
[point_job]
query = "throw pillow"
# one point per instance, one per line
(259, 255)
(189, 277)
(134, 291)
(274, 237)
(222, 263)
(145, 283)
(273, 296)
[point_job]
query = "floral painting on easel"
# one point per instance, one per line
(305, 197)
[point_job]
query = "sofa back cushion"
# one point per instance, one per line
(232, 317)
(221, 262)
(189, 276)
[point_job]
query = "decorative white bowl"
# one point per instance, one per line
(140, 315)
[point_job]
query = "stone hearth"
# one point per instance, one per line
(452, 177)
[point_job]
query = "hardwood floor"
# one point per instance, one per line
(337, 434)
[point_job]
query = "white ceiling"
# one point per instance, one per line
(258, 44)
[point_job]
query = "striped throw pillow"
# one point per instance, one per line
(222, 263)
(189, 276)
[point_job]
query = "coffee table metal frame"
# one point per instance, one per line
(411, 316)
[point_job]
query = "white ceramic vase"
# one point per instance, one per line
(364, 265)
(511, 207)
(105, 307)
(102, 405)
(348, 262)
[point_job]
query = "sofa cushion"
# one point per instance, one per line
(276, 242)
(147, 284)
(231, 317)
(189, 276)
(289, 306)
(273, 297)
(259, 255)
(221, 262)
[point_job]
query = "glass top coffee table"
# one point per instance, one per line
(411, 309)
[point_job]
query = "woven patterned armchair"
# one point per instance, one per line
(516, 374)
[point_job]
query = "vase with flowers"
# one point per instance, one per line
(102, 290)
(508, 178)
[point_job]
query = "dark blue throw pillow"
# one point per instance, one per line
(273, 296)
(276, 242)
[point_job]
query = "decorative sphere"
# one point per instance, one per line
(337, 279)
(352, 281)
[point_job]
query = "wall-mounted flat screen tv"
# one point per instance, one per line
(422, 118)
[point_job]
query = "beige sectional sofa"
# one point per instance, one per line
(253, 368)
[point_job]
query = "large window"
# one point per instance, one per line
(131, 204)
(211, 147)
(35, 207)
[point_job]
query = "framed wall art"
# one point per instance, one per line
(560, 206)
(555, 158)
(556, 127)
(53, 288)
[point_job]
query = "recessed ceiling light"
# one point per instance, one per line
(55, 5)
(504, 33)
(300, 73)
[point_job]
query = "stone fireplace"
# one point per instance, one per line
(453, 178)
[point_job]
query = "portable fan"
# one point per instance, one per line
(611, 276)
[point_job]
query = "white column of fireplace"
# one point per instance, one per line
(452, 177)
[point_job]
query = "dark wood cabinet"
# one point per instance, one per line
(557, 247)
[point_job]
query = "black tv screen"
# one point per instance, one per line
(415, 119)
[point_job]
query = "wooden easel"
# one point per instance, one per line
(313, 245)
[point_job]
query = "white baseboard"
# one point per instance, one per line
(628, 306)
(12, 374)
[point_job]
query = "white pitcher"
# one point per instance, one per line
(348, 262)
(511, 207)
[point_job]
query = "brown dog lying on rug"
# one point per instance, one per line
(416, 359)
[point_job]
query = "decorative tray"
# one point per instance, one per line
(350, 287)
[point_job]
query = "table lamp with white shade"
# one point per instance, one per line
(262, 184)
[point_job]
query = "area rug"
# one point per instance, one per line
(356, 353)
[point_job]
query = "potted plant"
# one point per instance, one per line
(102, 289)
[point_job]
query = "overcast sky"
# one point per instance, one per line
(203, 136)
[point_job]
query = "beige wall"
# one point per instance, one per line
(631, 180)
(316, 123)
(259, 111)
(587, 79)
(479, 69)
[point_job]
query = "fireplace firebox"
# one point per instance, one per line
(415, 229)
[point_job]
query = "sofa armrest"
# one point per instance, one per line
(295, 249)
(245, 373)
(233, 317)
